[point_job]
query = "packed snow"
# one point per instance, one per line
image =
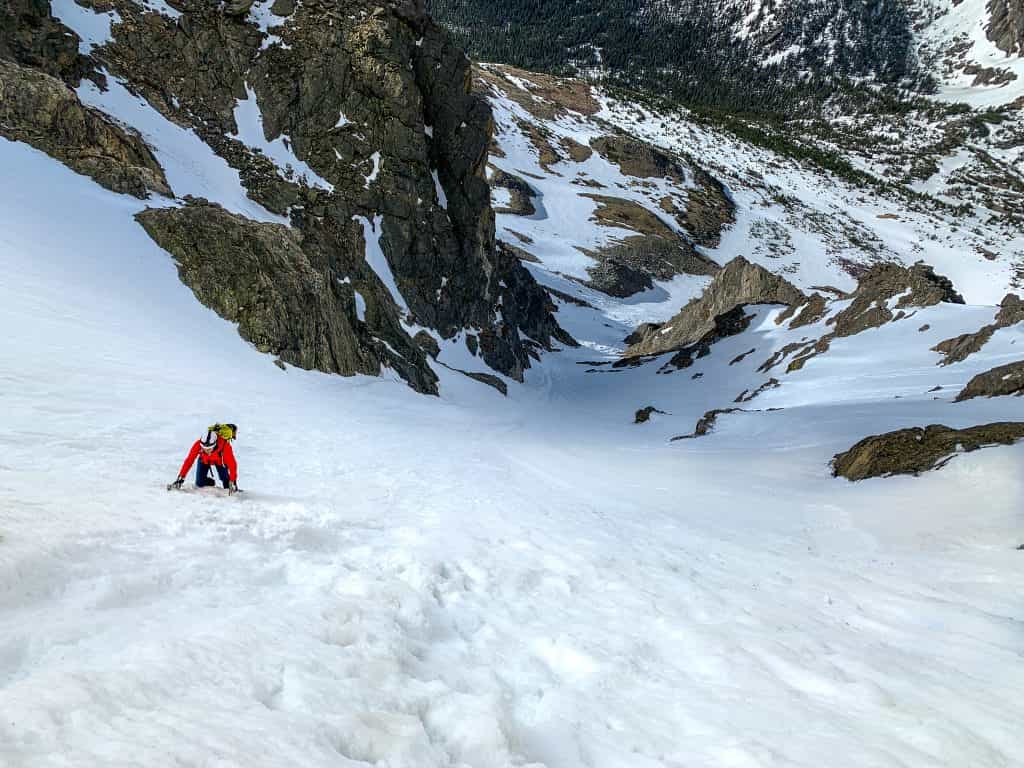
(473, 580)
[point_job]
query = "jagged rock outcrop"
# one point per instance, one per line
(1006, 25)
(808, 312)
(996, 382)
(739, 283)
(730, 323)
(42, 111)
(376, 100)
(881, 290)
(265, 277)
(706, 423)
(959, 348)
(916, 450)
(916, 286)
(746, 396)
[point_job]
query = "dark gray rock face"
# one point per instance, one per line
(32, 37)
(373, 97)
(1006, 25)
(739, 283)
(641, 332)
(42, 111)
(916, 450)
(999, 381)
(263, 277)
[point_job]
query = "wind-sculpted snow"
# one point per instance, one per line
(472, 579)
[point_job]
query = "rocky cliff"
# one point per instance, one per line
(374, 103)
(1006, 25)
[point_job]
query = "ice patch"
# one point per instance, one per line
(442, 199)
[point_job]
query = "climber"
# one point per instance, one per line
(213, 451)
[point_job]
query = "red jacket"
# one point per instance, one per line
(222, 455)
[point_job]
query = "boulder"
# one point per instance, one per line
(643, 415)
(706, 423)
(916, 450)
(996, 382)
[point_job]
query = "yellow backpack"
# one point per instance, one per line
(227, 431)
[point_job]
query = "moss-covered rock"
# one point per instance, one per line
(42, 111)
(916, 450)
(265, 278)
(1001, 380)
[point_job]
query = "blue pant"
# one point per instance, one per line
(203, 474)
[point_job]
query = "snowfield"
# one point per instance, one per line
(473, 580)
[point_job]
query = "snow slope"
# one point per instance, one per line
(472, 580)
(792, 218)
(954, 33)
